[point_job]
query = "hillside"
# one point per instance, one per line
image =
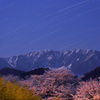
(39, 71)
(92, 74)
(10, 71)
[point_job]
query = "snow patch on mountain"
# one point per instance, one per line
(50, 57)
(78, 59)
(69, 66)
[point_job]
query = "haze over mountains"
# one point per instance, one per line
(78, 61)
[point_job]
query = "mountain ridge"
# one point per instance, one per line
(78, 60)
(10, 71)
(94, 74)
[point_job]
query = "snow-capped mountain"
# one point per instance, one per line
(79, 61)
(3, 63)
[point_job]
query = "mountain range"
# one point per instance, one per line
(78, 61)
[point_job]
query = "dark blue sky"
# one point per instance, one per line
(31, 25)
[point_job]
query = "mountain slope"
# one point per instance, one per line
(39, 71)
(92, 74)
(11, 71)
(3, 63)
(79, 61)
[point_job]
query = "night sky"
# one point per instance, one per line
(33, 25)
